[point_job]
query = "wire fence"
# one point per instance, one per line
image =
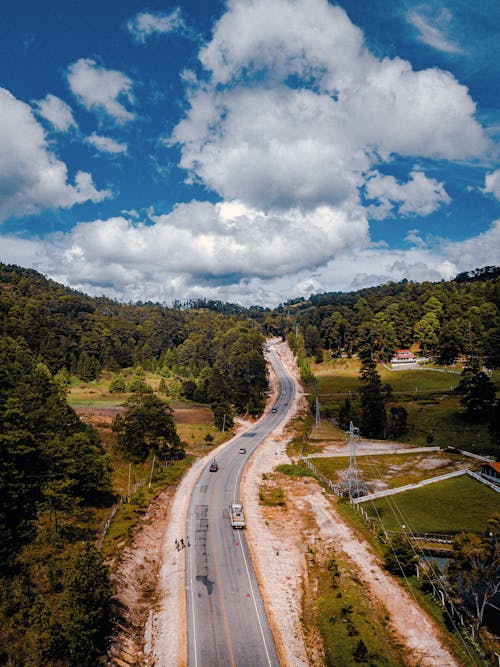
(114, 510)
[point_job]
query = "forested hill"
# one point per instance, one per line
(69, 330)
(446, 319)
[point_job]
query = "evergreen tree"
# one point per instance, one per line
(117, 384)
(373, 415)
(478, 393)
(400, 556)
(84, 620)
(398, 422)
(147, 427)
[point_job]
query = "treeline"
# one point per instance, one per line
(54, 588)
(447, 320)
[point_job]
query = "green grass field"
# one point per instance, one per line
(395, 469)
(434, 412)
(457, 504)
(340, 376)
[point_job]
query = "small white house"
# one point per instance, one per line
(403, 357)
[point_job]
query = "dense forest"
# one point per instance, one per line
(447, 320)
(54, 471)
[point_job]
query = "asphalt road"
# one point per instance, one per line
(226, 621)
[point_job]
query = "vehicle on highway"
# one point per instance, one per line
(243, 450)
(236, 515)
(213, 466)
(274, 410)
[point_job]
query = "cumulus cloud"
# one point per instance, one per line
(31, 176)
(209, 242)
(102, 90)
(432, 29)
(56, 111)
(492, 184)
(418, 196)
(131, 261)
(106, 144)
(146, 24)
(321, 110)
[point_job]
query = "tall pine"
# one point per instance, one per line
(373, 415)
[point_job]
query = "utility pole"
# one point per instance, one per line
(353, 484)
(317, 411)
(152, 468)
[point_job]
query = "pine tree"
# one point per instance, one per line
(373, 416)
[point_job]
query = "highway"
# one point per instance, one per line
(226, 621)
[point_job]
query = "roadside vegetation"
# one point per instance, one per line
(354, 628)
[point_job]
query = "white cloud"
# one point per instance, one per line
(431, 29)
(414, 237)
(145, 24)
(106, 144)
(276, 145)
(418, 196)
(100, 89)
(132, 261)
(31, 176)
(204, 241)
(56, 111)
(492, 183)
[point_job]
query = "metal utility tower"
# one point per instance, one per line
(353, 483)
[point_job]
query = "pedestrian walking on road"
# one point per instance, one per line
(187, 541)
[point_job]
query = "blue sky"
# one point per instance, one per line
(248, 150)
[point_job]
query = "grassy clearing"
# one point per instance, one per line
(271, 495)
(395, 470)
(293, 470)
(327, 431)
(434, 412)
(354, 629)
(442, 419)
(454, 505)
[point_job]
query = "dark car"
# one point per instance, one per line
(213, 466)
(274, 410)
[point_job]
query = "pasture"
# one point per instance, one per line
(434, 412)
(389, 471)
(453, 505)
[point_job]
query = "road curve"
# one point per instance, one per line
(226, 621)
